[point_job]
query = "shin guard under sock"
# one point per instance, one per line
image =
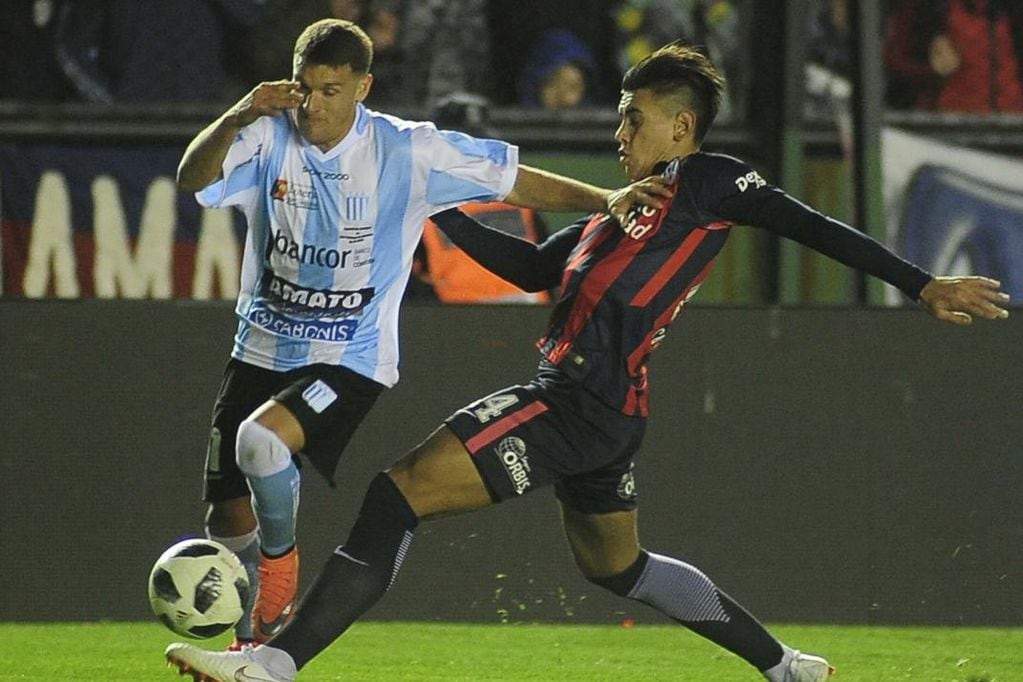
(274, 481)
(275, 502)
(356, 576)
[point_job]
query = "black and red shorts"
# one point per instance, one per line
(552, 432)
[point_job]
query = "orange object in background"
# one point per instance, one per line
(457, 278)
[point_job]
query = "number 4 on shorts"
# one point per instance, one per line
(494, 406)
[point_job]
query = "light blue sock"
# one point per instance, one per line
(275, 502)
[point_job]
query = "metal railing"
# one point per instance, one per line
(576, 130)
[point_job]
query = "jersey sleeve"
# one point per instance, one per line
(726, 188)
(529, 266)
(462, 169)
(240, 177)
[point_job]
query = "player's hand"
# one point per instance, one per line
(267, 99)
(652, 191)
(958, 299)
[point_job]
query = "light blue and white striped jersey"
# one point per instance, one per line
(332, 234)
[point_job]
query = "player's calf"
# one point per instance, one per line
(685, 594)
(356, 576)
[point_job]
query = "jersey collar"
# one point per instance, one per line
(357, 130)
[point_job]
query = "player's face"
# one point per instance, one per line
(331, 94)
(646, 134)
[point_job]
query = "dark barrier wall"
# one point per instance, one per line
(821, 465)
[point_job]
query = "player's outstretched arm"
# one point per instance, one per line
(951, 299)
(205, 154)
(531, 267)
(958, 299)
(545, 191)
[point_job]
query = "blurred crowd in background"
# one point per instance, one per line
(940, 55)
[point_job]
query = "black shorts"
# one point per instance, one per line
(329, 402)
(524, 437)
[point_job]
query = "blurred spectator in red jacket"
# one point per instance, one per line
(956, 55)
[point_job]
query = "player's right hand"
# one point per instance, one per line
(267, 99)
(958, 299)
(652, 191)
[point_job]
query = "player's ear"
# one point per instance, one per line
(685, 124)
(362, 91)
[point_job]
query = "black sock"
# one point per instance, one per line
(356, 576)
(742, 634)
(683, 593)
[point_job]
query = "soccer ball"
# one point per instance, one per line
(198, 588)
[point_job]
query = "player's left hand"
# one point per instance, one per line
(958, 299)
(650, 191)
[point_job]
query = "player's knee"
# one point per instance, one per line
(412, 486)
(623, 582)
(259, 451)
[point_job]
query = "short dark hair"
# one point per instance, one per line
(680, 69)
(334, 42)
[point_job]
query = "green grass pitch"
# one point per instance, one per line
(435, 652)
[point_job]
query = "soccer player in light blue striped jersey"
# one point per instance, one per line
(335, 196)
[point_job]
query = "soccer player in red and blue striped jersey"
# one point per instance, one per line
(579, 424)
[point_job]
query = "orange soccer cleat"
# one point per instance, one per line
(275, 595)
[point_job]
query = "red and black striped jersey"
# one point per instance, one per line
(621, 288)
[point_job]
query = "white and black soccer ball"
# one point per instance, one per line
(198, 588)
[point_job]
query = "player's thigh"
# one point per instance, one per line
(598, 510)
(603, 544)
(278, 418)
(243, 390)
(319, 411)
(438, 477)
(517, 442)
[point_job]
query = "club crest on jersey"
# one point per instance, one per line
(356, 207)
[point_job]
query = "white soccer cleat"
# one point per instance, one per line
(259, 664)
(807, 668)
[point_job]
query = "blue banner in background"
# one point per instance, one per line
(87, 220)
(955, 224)
(953, 210)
